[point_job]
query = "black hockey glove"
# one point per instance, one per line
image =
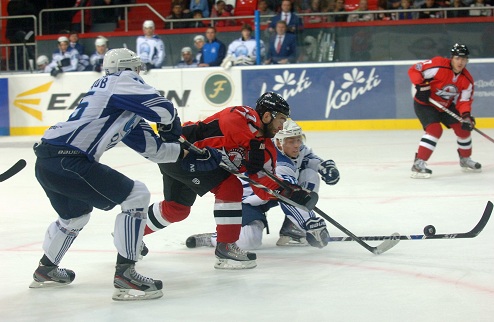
(295, 193)
(423, 91)
(170, 132)
(206, 161)
(467, 121)
(328, 171)
(255, 157)
(317, 234)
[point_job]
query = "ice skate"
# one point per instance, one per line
(419, 169)
(199, 240)
(132, 286)
(230, 256)
(291, 235)
(468, 165)
(51, 276)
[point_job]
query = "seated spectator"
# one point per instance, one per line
(282, 46)
(262, 7)
(187, 59)
(384, 16)
(150, 47)
(405, 5)
(220, 11)
(177, 14)
(197, 14)
(457, 13)
(64, 58)
(361, 13)
(199, 43)
(42, 64)
(96, 59)
(213, 51)
(339, 6)
(426, 14)
(315, 7)
(202, 5)
(293, 22)
(481, 9)
(74, 42)
(243, 51)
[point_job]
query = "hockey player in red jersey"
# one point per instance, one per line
(447, 81)
(244, 137)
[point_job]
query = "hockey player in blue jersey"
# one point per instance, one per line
(67, 167)
(296, 164)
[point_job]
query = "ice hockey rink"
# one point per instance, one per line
(417, 280)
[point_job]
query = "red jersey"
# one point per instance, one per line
(231, 130)
(446, 86)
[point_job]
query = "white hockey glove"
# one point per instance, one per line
(317, 234)
(328, 171)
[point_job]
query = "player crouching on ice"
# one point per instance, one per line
(296, 164)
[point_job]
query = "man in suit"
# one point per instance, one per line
(294, 23)
(282, 46)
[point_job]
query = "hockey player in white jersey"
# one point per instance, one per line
(243, 51)
(296, 164)
(68, 169)
(150, 47)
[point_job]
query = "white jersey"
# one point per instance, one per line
(242, 49)
(151, 50)
(70, 59)
(114, 110)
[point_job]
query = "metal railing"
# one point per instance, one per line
(12, 50)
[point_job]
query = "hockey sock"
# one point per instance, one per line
(45, 261)
(164, 213)
(429, 140)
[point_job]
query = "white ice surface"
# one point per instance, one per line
(429, 280)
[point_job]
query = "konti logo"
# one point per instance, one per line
(28, 102)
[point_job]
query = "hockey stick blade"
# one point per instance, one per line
(314, 197)
(379, 249)
(470, 234)
(18, 166)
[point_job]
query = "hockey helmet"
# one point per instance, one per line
(272, 102)
(460, 50)
(42, 60)
(101, 41)
(290, 129)
(121, 59)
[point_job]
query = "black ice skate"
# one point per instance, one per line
(291, 235)
(132, 286)
(419, 169)
(51, 276)
(468, 165)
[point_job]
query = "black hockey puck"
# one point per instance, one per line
(429, 230)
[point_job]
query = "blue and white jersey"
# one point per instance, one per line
(113, 110)
(70, 60)
(289, 170)
(151, 50)
(240, 48)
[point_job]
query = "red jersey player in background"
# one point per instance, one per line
(447, 81)
(243, 135)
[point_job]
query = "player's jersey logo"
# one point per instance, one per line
(236, 156)
(447, 92)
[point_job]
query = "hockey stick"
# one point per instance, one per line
(457, 117)
(313, 196)
(471, 234)
(386, 245)
(18, 166)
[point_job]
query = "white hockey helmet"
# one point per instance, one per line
(290, 129)
(42, 60)
(121, 59)
(101, 41)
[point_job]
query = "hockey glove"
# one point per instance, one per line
(317, 234)
(467, 121)
(170, 132)
(206, 161)
(255, 161)
(295, 193)
(328, 171)
(423, 91)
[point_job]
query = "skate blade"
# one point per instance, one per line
(420, 175)
(290, 242)
(47, 284)
(135, 295)
(470, 170)
(223, 263)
